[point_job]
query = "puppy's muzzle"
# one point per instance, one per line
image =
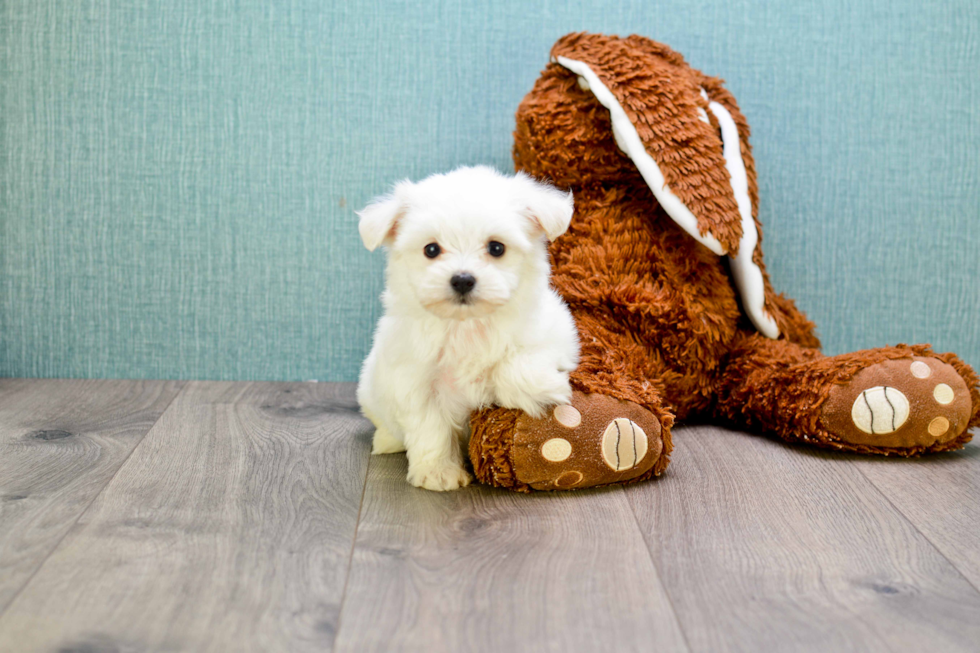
(462, 283)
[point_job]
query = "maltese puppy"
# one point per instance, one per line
(469, 317)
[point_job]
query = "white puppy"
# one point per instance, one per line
(470, 319)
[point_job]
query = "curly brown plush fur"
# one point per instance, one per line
(660, 320)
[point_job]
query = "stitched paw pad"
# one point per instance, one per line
(908, 402)
(595, 440)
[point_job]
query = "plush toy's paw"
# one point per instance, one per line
(438, 475)
(902, 403)
(595, 440)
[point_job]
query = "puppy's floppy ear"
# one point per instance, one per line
(379, 219)
(549, 208)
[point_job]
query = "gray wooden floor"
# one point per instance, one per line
(168, 516)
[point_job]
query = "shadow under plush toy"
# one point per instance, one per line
(662, 269)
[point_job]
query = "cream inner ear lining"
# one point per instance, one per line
(748, 275)
(702, 114)
(620, 141)
(583, 84)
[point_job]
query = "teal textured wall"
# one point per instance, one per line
(178, 179)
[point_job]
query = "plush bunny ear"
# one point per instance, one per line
(658, 119)
(379, 219)
(693, 166)
(546, 206)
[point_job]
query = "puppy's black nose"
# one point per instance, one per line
(462, 282)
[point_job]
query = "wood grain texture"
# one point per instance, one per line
(765, 547)
(61, 441)
(231, 526)
(229, 529)
(488, 570)
(940, 495)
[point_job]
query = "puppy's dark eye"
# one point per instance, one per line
(432, 250)
(496, 249)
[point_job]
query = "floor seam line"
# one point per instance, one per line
(57, 545)
(656, 569)
(350, 559)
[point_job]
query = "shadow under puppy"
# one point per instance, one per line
(470, 319)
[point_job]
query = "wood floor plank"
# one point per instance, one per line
(229, 529)
(940, 495)
(766, 547)
(489, 570)
(61, 441)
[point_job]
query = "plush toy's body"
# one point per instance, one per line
(662, 268)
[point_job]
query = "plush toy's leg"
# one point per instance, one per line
(616, 430)
(893, 400)
(595, 440)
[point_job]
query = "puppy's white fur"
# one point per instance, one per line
(438, 355)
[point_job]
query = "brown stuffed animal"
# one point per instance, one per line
(662, 268)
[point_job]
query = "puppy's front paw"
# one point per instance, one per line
(551, 391)
(384, 442)
(438, 475)
(557, 394)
